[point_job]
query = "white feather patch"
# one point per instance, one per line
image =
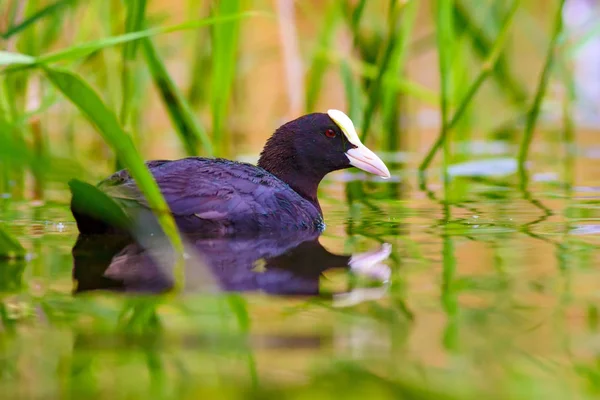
(346, 125)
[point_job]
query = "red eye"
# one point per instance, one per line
(330, 133)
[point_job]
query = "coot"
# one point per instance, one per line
(221, 197)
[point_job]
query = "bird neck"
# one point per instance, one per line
(283, 162)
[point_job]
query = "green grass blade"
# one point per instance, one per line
(199, 68)
(390, 96)
(224, 60)
(445, 42)
(581, 42)
(9, 246)
(414, 89)
(134, 21)
(20, 61)
(486, 69)
(318, 65)
(90, 104)
(534, 110)
(507, 82)
(92, 201)
(16, 155)
(384, 62)
(44, 12)
(446, 46)
(384, 91)
(190, 131)
(368, 71)
(357, 14)
(12, 101)
(352, 89)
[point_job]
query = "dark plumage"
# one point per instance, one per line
(222, 197)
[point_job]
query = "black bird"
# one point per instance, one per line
(221, 197)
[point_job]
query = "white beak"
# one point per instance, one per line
(363, 158)
(360, 156)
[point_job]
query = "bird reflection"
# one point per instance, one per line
(274, 264)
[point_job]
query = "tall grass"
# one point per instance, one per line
(225, 38)
(18, 62)
(319, 62)
(134, 21)
(401, 20)
(190, 130)
(57, 51)
(91, 105)
(475, 32)
(534, 110)
(448, 123)
(367, 46)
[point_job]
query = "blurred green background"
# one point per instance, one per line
(487, 112)
(223, 88)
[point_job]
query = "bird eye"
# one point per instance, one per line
(330, 133)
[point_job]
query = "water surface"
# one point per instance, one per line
(494, 293)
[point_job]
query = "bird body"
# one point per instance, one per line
(221, 197)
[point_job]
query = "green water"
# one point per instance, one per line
(492, 296)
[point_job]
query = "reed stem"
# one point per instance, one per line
(485, 71)
(534, 110)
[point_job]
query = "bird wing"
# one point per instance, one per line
(208, 188)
